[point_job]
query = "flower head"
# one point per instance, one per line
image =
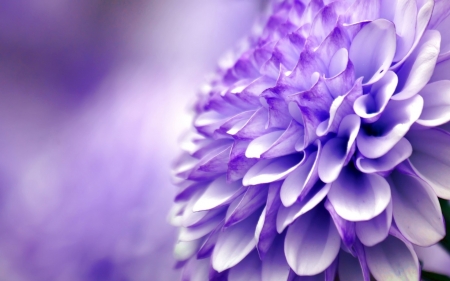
(322, 148)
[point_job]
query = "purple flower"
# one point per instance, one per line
(321, 148)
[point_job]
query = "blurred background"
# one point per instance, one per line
(94, 95)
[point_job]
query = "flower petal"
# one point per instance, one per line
(312, 243)
(336, 151)
(418, 68)
(358, 197)
(274, 264)
(287, 215)
(297, 180)
(261, 144)
(270, 170)
(416, 212)
(392, 260)
(431, 159)
(234, 244)
(370, 106)
(400, 152)
(248, 269)
(374, 231)
(216, 194)
(373, 50)
(376, 139)
(436, 107)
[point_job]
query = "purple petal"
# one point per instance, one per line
(358, 197)
(392, 260)
(297, 180)
(436, 107)
(234, 244)
(196, 270)
(285, 144)
(318, 277)
(373, 49)
(416, 212)
(266, 229)
(270, 170)
(336, 151)
(362, 10)
(338, 62)
(286, 216)
(261, 144)
(186, 249)
(216, 194)
(425, 9)
(378, 138)
(314, 105)
(404, 17)
(341, 107)
(239, 164)
(208, 246)
(374, 231)
(370, 106)
(345, 228)
(274, 264)
(431, 159)
(248, 269)
(442, 27)
(198, 231)
(418, 68)
(244, 205)
(400, 152)
(312, 243)
(349, 268)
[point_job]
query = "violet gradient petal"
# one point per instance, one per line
(312, 243)
(234, 244)
(436, 107)
(416, 211)
(286, 216)
(297, 180)
(376, 139)
(249, 269)
(400, 152)
(216, 194)
(392, 260)
(270, 170)
(261, 144)
(358, 197)
(431, 159)
(417, 70)
(274, 264)
(336, 151)
(370, 106)
(374, 231)
(373, 50)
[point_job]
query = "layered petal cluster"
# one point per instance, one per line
(321, 148)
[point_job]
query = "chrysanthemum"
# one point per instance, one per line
(322, 148)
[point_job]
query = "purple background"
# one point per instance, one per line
(94, 96)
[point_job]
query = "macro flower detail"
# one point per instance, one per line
(321, 146)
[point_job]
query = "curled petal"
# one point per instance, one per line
(359, 197)
(418, 68)
(378, 138)
(274, 264)
(298, 181)
(312, 243)
(261, 144)
(400, 152)
(337, 150)
(370, 106)
(270, 170)
(373, 50)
